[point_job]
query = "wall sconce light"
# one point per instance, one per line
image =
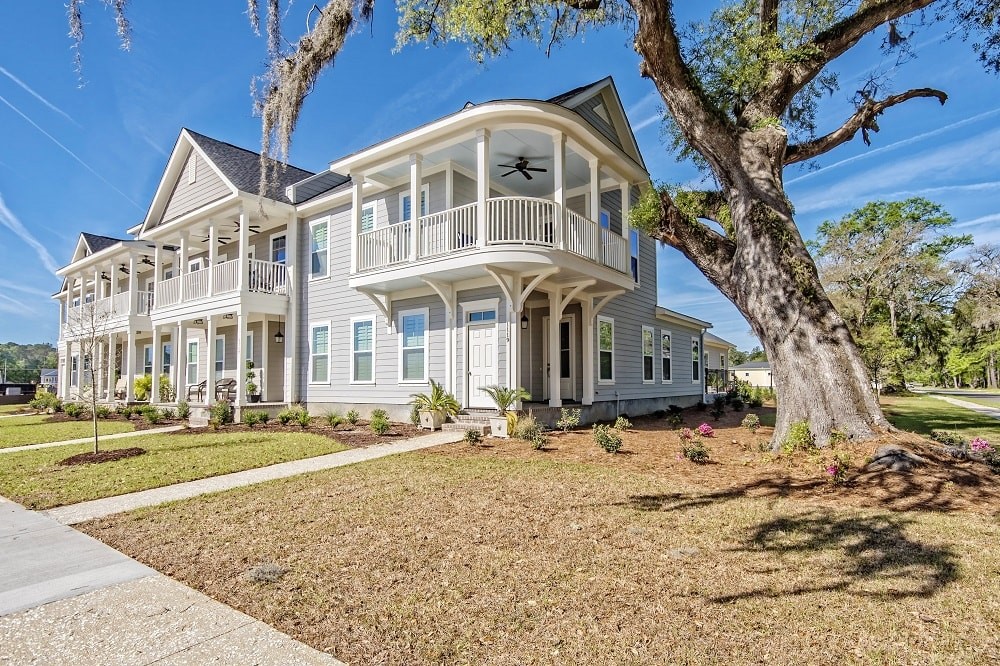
(524, 322)
(279, 337)
(198, 322)
(228, 315)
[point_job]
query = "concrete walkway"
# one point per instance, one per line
(982, 409)
(89, 440)
(78, 513)
(66, 598)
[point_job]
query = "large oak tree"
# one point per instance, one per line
(741, 92)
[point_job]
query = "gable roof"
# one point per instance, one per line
(711, 339)
(753, 365)
(241, 167)
(579, 100)
(96, 243)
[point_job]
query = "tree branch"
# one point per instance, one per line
(709, 250)
(864, 119)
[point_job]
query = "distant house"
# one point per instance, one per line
(716, 362)
(758, 373)
(49, 379)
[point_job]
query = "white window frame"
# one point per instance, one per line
(217, 372)
(609, 320)
(652, 354)
(270, 246)
(425, 192)
(147, 352)
(329, 338)
(425, 312)
(638, 250)
(166, 366)
(315, 223)
(355, 351)
(74, 371)
(669, 356)
(696, 358)
(371, 205)
(188, 362)
(195, 265)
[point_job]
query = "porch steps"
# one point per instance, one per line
(470, 419)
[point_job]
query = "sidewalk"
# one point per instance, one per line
(982, 409)
(78, 513)
(90, 440)
(66, 598)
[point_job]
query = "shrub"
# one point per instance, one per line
(142, 386)
(46, 401)
(168, 413)
(103, 411)
(705, 430)
(701, 406)
(152, 415)
(379, 422)
(288, 415)
(167, 393)
(74, 410)
(979, 445)
(526, 427)
(303, 417)
(415, 416)
(607, 438)
(756, 398)
(438, 400)
(992, 460)
(947, 438)
(800, 438)
(837, 468)
(718, 407)
(472, 437)
(568, 419)
(333, 419)
(622, 424)
(751, 422)
(674, 420)
(252, 417)
(696, 451)
(837, 436)
(538, 441)
(353, 417)
(183, 410)
(674, 409)
(737, 404)
(221, 412)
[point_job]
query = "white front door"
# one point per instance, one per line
(567, 374)
(482, 360)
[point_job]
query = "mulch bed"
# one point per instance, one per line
(102, 456)
(742, 464)
(355, 436)
(138, 422)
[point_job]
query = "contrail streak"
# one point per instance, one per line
(34, 94)
(9, 220)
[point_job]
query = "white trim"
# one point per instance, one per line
(195, 265)
(152, 364)
(248, 348)
(354, 351)
(313, 325)
(425, 192)
(188, 362)
(573, 355)
(482, 304)
(219, 358)
(696, 376)
(601, 319)
(466, 308)
(373, 205)
(669, 356)
(652, 354)
(270, 245)
(427, 357)
(327, 221)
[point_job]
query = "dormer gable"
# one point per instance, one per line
(599, 104)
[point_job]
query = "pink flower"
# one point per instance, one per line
(705, 430)
(979, 445)
(686, 433)
(832, 470)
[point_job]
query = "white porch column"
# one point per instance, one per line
(114, 287)
(555, 366)
(261, 372)
(559, 176)
(65, 378)
(129, 359)
(211, 330)
(97, 290)
(243, 253)
(290, 393)
(357, 186)
(482, 183)
(133, 288)
(112, 348)
(588, 350)
(158, 264)
(182, 269)
(416, 182)
(154, 392)
(213, 254)
(68, 310)
(181, 355)
(594, 200)
(241, 353)
(626, 190)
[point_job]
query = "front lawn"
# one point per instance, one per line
(13, 409)
(36, 480)
(40, 429)
(924, 414)
(504, 555)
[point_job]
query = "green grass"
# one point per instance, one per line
(34, 479)
(985, 402)
(11, 409)
(35, 429)
(923, 414)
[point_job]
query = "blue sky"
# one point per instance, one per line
(89, 158)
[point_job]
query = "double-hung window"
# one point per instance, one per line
(405, 208)
(633, 244)
(368, 217)
(319, 354)
(606, 350)
(168, 353)
(319, 250)
(363, 351)
(192, 362)
(695, 362)
(279, 248)
(647, 354)
(220, 356)
(413, 346)
(147, 359)
(74, 374)
(667, 375)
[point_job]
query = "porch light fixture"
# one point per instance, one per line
(279, 337)
(198, 322)
(228, 315)
(105, 276)
(524, 322)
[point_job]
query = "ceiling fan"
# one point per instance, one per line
(252, 228)
(221, 239)
(522, 167)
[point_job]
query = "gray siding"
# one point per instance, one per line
(587, 110)
(185, 197)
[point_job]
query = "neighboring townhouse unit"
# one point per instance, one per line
(717, 362)
(756, 373)
(491, 246)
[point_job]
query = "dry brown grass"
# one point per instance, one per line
(500, 555)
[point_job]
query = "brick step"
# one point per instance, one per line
(483, 428)
(469, 418)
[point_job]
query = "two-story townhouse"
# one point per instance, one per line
(515, 266)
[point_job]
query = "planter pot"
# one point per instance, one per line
(253, 398)
(498, 426)
(431, 420)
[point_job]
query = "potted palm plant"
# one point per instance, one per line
(504, 398)
(435, 407)
(253, 392)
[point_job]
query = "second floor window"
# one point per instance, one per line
(633, 244)
(278, 249)
(319, 249)
(404, 204)
(367, 217)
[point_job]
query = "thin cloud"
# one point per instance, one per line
(9, 220)
(640, 107)
(897, 144)
(985, 219)
(37, 96)
(646, 122)
(70, 152)
(16, 286)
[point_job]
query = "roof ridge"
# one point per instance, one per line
(255, 153)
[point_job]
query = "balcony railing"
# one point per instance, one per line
(524, 221)
(265, 277)
(105, 310)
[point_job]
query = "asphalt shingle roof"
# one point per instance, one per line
(753, 365)
(97, 243)
(242, 167)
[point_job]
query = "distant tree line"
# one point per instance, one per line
(24, 363)
(922, 303)
(739, 357)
